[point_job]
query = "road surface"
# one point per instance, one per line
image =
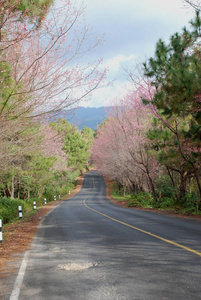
(90, 249)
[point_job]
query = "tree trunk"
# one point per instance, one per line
(198, 182)
(13, 187)
(1, 24)
(4, 192)
(182, 188)
(171, 177)
(18, 191)
(9, 191)
(40, 192)
(119, 185)
(124, 189)
(196, 177)
(152, 187)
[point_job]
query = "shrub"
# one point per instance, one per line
(164, 187)
(191, 203)
(9, 209)
(165, 202)
(141, 199)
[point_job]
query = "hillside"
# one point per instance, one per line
(85, 116)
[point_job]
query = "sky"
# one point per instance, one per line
(131, 29)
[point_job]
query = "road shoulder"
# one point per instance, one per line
(17, 239)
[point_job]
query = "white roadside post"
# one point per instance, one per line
(69, 192)
(45, 200)
(34, 205)
(55, 198)
(1, 231)
(59, 196)
(20, 211)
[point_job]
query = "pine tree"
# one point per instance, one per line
(175, 73)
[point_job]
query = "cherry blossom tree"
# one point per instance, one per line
(31, 13)
(47, 65)
(35, 163)
(52, 145)
(121, 148)
(42, 69)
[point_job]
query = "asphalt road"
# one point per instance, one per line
(90, 249)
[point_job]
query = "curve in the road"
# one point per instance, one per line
(136, 228)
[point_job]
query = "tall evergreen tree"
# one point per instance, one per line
(175, 73)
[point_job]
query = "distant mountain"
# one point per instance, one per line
(85, 116)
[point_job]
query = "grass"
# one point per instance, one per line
(119, 197)
(146, 200)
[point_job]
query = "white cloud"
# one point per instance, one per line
(105, 96)
(118, 88)
(132, 29)
(114, 63)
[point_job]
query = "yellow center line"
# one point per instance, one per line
(138, 229)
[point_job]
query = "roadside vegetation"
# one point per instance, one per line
(9, 208)
(146, 200)
(41, 45)
(51, 171)
(150, 144)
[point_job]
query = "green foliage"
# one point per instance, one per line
(76, 144)
(191, 204)
(88, 134)
(61, 184)
(166, 203)
(9, 209)
(175, 72)
(33, 172)
(164, 187)
(76, 149)
(163, 144)
(26, 171)
(62, 125)
(34, 10)
(6, 82)
(118, 195)
(141, 199)
(9, 91)
(138, 199)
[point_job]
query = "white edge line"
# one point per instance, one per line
(20, 276)
(19, 279)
